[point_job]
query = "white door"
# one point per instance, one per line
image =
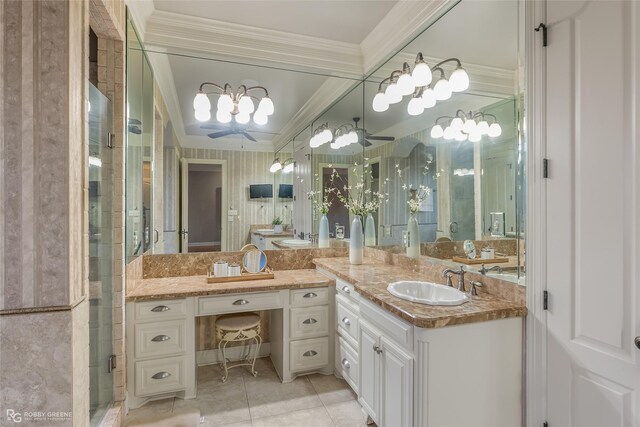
(369, 370)
(593, 273)
(184, 203)
(396, 398)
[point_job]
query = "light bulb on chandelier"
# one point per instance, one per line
(236, 105)
(466, 126)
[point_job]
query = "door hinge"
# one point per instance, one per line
(542, 27)
(545, 300)
(111, 363)
(545, 424)
(110, 137)
(545, 168)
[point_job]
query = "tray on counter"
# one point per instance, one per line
(267, 274)
(473, 261)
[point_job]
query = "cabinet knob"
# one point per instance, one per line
(310, 295)
(346, 363)
(310, 321)
(241, 302)
(309, 353)
(161, 338)
(160, 309)
(346, 289)
(346, 321)
(377, 349)
(637, 342)
(161, 375)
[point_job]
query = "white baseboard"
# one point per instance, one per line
(212, 357)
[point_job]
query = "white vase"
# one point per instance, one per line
(356, 241)
(369, 231)
(277, 228)
(323, 232)
(413, 238)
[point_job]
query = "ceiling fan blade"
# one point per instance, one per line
(214, 127)
(382, 138)
(221, 134)
(367, 143)
(249, 137)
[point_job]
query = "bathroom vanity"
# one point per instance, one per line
(161, 314)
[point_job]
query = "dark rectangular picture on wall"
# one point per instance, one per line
(261, 191)
(285, 191)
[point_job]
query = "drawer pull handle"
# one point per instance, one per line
(310, 321)
(160, 309)
(346, 321)
(161, 375)
(346, 363)
(161, 338)
(310, 295)
(241, 302)
(377, 349)
(309, 353)
(346, 289)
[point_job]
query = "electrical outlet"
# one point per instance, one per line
(233, 212)
(230, 218)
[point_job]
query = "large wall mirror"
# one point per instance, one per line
(199, 182)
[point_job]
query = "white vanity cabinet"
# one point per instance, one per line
(386, 370)
(347, 323)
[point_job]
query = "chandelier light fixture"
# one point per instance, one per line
(275, 166)
(286, 167)
(466, 126)
(420, 85)
(340, 137)
(236, 105)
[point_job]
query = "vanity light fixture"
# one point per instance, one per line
(236, 105)
(275, 166)
(418, 83)
(288, 165)
(340, 137)
(466, 126)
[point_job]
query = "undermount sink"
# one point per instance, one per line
(513, 278)
(427, 293)
(264, 230)
(295, 242)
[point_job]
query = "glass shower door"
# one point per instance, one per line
(100, 255)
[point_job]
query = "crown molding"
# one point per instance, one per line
(182, 32)
(140, 11)
(404, 21)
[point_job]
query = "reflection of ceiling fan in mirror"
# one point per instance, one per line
(366, 137)
(233, 129)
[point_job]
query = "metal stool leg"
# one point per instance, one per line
(225, 374)
(258, 339)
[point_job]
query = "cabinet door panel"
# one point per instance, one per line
(397, 386)
(369, 370)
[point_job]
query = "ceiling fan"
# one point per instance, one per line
(233, 129)
(367, 137)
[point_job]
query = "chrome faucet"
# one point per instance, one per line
(484, 270)
(447, 274)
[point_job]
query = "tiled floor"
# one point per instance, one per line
(245, 401)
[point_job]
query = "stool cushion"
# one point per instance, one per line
(237, 321)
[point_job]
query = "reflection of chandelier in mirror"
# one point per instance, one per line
(418, 84)
(340, 137)
(238, 105)
(463, 126)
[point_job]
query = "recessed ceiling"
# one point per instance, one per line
(345, 21)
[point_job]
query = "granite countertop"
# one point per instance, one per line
(270, 234)
(372, 277)
(189, 286)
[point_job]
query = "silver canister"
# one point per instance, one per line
(220, 269)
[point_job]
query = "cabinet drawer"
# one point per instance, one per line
(160, 376)
(346, 289)
(160, 339)
(347, 321)
(397, 329)
(239, 302)
(309, 322)
(307, 297)
(347, 363)
(308, 354)
(160, 310)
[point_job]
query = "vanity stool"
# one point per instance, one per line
(238, 327)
